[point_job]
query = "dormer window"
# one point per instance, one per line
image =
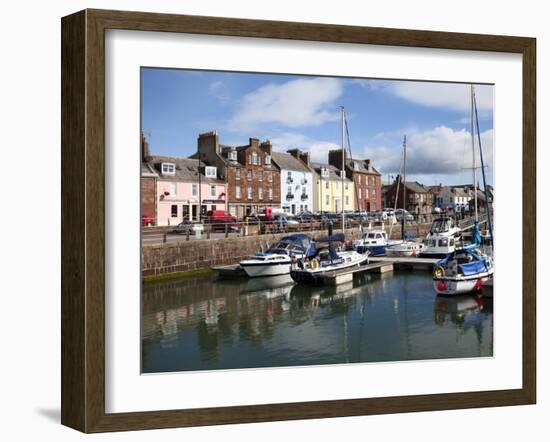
(168, 168)
(210, 172)
(324, 172)
(233, 155)
(355, 165)
(254, 158)
(267, 160)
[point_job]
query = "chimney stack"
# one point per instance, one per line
(266, 146)
(208, 145)
(300, 155)
(335, 158)
(144, 148)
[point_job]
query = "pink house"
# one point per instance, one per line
(180, 188)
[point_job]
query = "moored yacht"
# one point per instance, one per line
(323, 257)
(277, 259)
(463, 271)
(375, 242)
(443, 238)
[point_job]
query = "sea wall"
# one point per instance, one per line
(161, 259)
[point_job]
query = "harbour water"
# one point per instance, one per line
(209, 324)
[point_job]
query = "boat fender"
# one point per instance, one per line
(314, 263)
(438, 272)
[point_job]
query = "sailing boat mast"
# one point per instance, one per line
(343, 168)
(404, 187)
(474, 166)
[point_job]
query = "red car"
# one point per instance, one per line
(147, 220)
(218, 219)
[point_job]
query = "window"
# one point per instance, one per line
(185, 211)
(326, 185)
(174, 189)
(174, 211)
(254, 158)
(324, 172)
(249, 175)
(260, 193)
(237, 174)
(168, 168)
(270, 194)
(289, 190)
(267, 160)
(249, 193)
(213, 207)
(366, 193)
(238, 192)
(213, 191)
(233, 155)
(347, 200)
(327, 200)
(261, 175)
(194, 190)
(249, 159)
(347, 186)
(270, 176)
(210, 172)
(360, 193)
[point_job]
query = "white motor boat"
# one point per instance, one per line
(443, 238)
(277, 259)
(324, 258)
(375, 242)
(463, 271)
(266, 264)
(406, 248)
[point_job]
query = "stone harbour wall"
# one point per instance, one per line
(184, 256)
(161, 259)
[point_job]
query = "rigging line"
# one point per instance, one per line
(358, 203)
(401, 166)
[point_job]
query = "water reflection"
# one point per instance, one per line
(207, 324)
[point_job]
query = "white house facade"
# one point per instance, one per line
(454, 198)
(296, 183)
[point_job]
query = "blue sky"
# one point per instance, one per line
(304, 112)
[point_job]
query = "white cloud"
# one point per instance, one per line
(219, 90)
(438, 151)
(446, 95)
(318, 149)
(296, 103)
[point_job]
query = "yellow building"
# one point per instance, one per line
(327, 190)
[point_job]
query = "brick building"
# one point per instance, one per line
(366, 179)
(420, 198)
(148, 186)
(253, 182)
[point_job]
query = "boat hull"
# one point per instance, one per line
(461, 285)
(254, 270)
(316, 276)
(372, 250)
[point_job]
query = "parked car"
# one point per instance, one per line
(252, 219)
(188, 227)
(147, 220)
(399, 213)
(219, 219)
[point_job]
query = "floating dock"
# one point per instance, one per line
(382, 264)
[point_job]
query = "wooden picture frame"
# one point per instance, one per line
(83, 216)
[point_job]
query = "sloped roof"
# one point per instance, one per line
(357, 165)
(334, 173)
(415, 186)
(186, 169)
(147, 170)
(288, 162)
